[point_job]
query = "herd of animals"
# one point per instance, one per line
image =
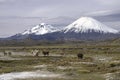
(36, 53)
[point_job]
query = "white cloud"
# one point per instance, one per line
(102, 13)
(108, 2)
(40, 12)
(2, 0)
(53, 8)
(6, 1)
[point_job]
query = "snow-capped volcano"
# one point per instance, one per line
(87, 24)
(40, 29)
(85, 28)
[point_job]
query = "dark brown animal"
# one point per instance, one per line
(80, 56)
(45, 53)
(9, 53)
(5, 53)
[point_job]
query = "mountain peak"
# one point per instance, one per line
(42, 25)
(85, 28)
(40, 29)
(88, 24)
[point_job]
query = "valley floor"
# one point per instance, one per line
(99, 63)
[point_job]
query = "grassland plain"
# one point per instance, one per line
(101, 62)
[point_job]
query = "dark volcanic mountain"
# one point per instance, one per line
(85, 28)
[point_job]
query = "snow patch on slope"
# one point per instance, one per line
(40, 29)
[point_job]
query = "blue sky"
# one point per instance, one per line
(18, 15)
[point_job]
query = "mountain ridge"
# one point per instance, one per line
(40, 29)
(85, 28)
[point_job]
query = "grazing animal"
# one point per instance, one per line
(35, 52)
(5, 53)
(9, 53)
(80, 56)
(45, 53)
(32, 51)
